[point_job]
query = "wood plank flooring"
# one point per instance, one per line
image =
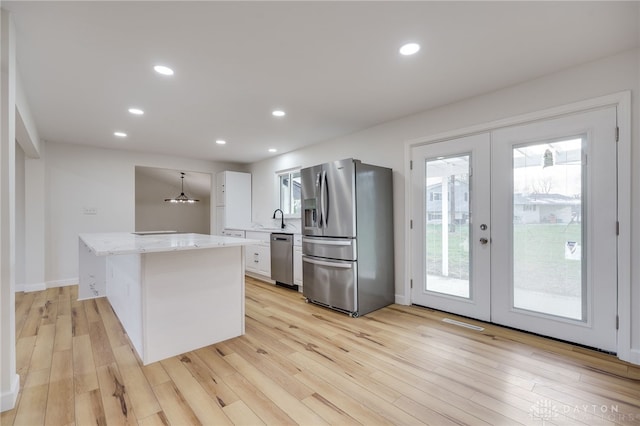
(303, 364)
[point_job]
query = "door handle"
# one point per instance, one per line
(483, 241)
(328, 242)
(325, 263)
(323, 199)
(321, 188)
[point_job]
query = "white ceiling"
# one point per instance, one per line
(332, 66)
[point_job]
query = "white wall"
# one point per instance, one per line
(154, 214)
(635, 208)
(79, 177)
(9, 380)
(384, 144)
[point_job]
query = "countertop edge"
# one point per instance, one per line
(124, 249)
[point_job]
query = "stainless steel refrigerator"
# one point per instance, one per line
(347, 243)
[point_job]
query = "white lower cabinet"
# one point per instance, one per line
(238, 233)
(258, 256)
(297, 260)
(259, 260)
(297, 265)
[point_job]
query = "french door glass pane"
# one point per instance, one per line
(447, 195)
(548, 228)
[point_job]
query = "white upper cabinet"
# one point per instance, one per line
(233, 200)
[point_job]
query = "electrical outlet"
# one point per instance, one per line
(90, 210)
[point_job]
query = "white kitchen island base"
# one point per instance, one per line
(169, 302)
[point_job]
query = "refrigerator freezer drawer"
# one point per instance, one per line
(330, 283)
(332, 248)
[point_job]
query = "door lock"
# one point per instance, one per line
(483, 227)
(483, 241)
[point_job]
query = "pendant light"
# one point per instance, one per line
(182, 198)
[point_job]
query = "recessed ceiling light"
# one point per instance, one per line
(136, 111)
(273, 150)
(120, 134)
(409, 49)
(278, 113)
(161, 69)
(221, 142)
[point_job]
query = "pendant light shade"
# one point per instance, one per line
(182, 198)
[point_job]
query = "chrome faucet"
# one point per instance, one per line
(281, 217)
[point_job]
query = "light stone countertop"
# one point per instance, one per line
(111, 243)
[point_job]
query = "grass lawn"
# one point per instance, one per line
(539, 254)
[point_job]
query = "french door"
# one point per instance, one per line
(517, 226)
(451, 192)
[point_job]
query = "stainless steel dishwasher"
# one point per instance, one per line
(282, 260)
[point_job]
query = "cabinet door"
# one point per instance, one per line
(252, 259)
(237, 199)
(220, 223)
(264, 261)
(297, 265)
(220, 188)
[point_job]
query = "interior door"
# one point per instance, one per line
(554, 209)
(538, 249)
(451, 192)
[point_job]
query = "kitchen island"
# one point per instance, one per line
(173, 293)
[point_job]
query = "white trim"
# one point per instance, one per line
(622, 101)
(62, 283)
(9, 398)
(279, 173)
(259, 277)
(402, 300)
(43, 286)
(31, 287)
(625, 351)
(408, 210)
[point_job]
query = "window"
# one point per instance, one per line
(289, 184)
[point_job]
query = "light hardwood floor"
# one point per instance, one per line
(302, 364)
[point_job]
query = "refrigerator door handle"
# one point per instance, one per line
(327, 242)
(324, 194)
(321, 181)
(325, 263)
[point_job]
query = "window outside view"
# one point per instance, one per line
(548, 228)
(290, 202)
(447, 225)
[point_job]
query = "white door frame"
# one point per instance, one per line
(622, 101)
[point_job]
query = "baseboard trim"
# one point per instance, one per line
(31, 287)
(9, 398)
(634, 356)
(62, 283)
(259, 277)
(402, 299)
